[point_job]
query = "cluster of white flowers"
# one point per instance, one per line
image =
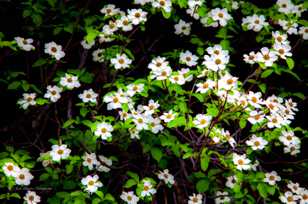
(99, 162)
(122, 21)
(160, 68)
(217, 58)
(271, 112)
(22, 176)
(287, 7)
(291, 142)
(295, 194)
(53, 92)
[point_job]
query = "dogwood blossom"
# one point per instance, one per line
(129, 197)
(104, 130)
(54, 50)
(91, 183)
(25, 44)
(88, 96)
(241, 162)
(59, 152)
(32, 198)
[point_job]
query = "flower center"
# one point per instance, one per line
(146, 188)
(115, 100)
(272, 178)
(69, 80)
(29, 99)
(229, 81)
(103, 130)
(217, 61)
(137, 15)
(279, 38)
(205, 85)
(240, 162)
(31, 198)
(10, 167)
(60, 151)
(202, 121)
(266, 57)
(21, 176)
(140, 120)
(121, 61)
(125, 22)
(290, 198)
(254, 99)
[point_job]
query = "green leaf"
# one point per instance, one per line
(83, 111)
(68, 123)
(267, 73)
(177, 122)
(156, 153)
(100, 194)
(133, 175)
(202, 11)
(14, 85)
(39, 62)
(271, 190)
(182, 3)
(262, 190)
(91, 34)
(212, 110)
(290, 63)
(166, 14)
(41, 101)
(243, 122)
(204, 159)
(129, 183)
(262, 87)
(202, 185)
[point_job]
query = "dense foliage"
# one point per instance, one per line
(154, 101)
